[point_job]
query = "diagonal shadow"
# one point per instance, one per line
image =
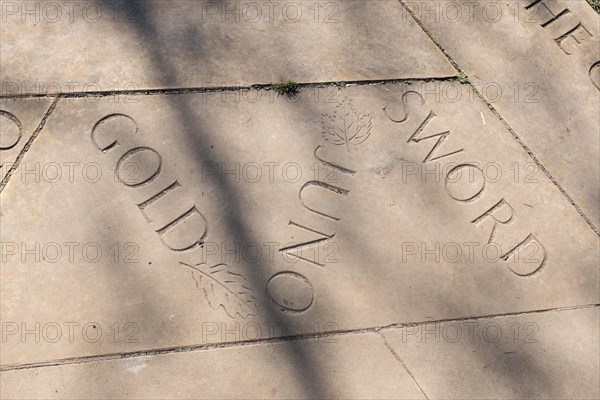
(234, 220)
(148, 29)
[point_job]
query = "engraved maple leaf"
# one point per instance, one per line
(223, 288)
(346, 126)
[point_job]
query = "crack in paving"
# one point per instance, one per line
(282, 339)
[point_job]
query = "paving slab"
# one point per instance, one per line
(134, 45)
(342, 366)
(551, 355)
(538, 63)
(189, 219)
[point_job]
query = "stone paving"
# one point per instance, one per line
(419, 218)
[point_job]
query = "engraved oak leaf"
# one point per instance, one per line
(223, 288)
(346, 126)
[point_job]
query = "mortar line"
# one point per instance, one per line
(218, 89)
(591, 225)
(282, 339)
(430, 35)
(29, 143)
(397, 357)
(541, 166)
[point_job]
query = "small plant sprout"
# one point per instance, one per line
(290, 89)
